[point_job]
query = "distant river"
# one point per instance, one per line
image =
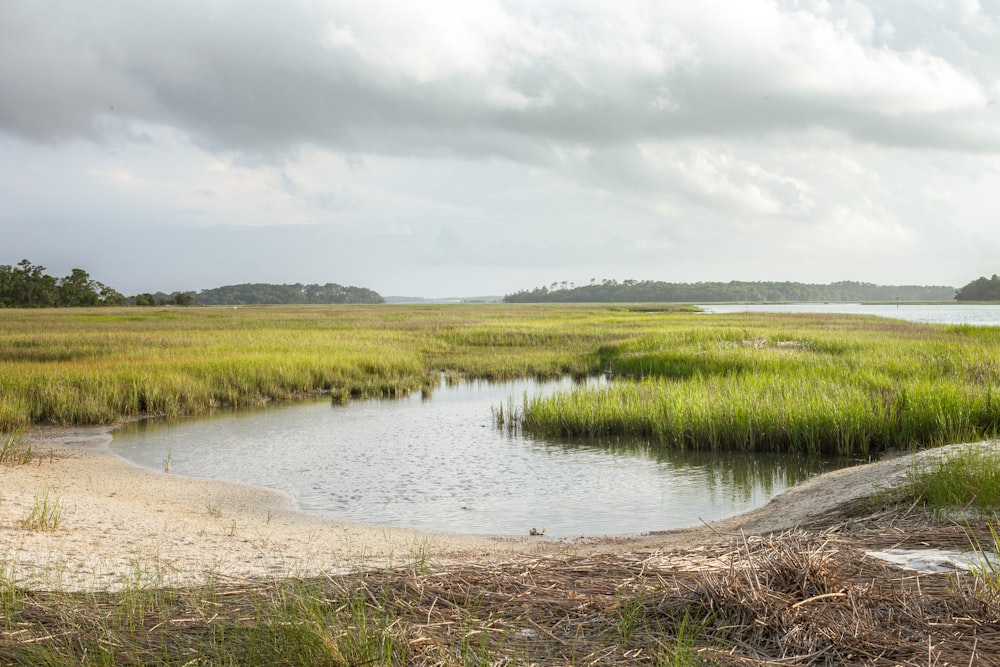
(935, 314)
(440, 464)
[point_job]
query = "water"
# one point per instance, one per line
(988, 315)
(440, 464)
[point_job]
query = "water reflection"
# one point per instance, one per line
(742, 476)
(440, 464)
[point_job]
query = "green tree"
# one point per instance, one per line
(77, 289)
(110, 296)
(980, 289)
(28, 286)
(183, 299)
(713, 292)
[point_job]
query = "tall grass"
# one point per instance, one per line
(966, 484)
(70, 366)
(811, 383)
(818, 385)
(291, 623)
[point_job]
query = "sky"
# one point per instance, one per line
(480, 147)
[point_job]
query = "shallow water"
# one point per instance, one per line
(440, 464)
(951, 313)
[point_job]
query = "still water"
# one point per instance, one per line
(955, 313)
(440, 464)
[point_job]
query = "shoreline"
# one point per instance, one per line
(122, 525)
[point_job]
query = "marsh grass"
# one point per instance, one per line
(967, 480)
(14, 450)
(45, 514)
(830, 385)
(69, 366)
(963, 487)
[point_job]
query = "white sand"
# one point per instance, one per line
(121, 525)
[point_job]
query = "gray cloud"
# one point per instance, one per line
(543, 137)
(267, 77)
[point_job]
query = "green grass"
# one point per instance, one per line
(816, 384)
(831, 384)
(90, 367)
(295, 623)
(966, 484)
(45, 514)
(14, 450)
(986, 566)
(968, 480)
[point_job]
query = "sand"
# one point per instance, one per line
(121, 525)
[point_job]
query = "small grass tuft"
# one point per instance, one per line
(986, 564)
(45, 514)
(14, 450)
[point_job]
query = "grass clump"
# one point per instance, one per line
(14, 450)
(45, 514)
(968, 479)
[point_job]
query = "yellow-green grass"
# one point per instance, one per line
(97, 366)
(812, 383)
(966, 481)
(830, 384)
(14, 450)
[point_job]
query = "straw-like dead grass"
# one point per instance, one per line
(803, 597)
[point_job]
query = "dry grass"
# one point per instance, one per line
(804, 597)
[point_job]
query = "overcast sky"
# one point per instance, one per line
(483, 146)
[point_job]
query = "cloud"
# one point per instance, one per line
(477, 78)
(662, 139)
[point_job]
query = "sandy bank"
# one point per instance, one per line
(123, 525)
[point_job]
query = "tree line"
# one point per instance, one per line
(297, 293)
(27, 285)
(647, 291)
(980, 289)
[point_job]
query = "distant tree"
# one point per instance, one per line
(608, 291)
(182, 299)
(144, 299)
(110, 296)
(297, 293)
(980, 289)
(77, 289)
(27, 286)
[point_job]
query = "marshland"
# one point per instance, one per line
(815, 384)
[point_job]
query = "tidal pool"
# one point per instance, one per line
(439, 463)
